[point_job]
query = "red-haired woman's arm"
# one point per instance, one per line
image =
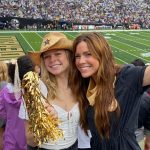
(146, 79)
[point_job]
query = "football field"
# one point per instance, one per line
(127, 45)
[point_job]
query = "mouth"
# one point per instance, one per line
(84, 68)
(55, 65)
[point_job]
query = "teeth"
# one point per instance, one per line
(85, 67)
(54, 65)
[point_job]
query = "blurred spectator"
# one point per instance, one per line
(144, 113)
(3, 82)
(10, 100)
(91, 11)
(138, 62)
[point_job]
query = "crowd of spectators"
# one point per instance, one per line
(80, 11)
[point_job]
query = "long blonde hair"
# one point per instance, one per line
(3, 71)
(106, 73)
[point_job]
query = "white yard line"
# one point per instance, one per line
(121, 60)
(131, 54)
(39, 35)
(135, 48)
(115, 57)
(27, 42)
(132, 40)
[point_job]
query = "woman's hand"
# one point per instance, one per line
(52, 112)
(29, 136)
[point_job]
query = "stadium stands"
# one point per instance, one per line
(79, 11)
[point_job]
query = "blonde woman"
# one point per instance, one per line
(60, 90)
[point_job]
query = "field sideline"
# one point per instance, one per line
(127, 45)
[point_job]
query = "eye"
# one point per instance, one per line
(88, 54)
(77, 56)
(58, 53)
(45, 56)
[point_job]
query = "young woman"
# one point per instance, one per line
(113, 93)
(56, 72)
(10, 100)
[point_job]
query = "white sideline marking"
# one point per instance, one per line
(107, 37)
(145, 54)
(133, 33)
(18, 31)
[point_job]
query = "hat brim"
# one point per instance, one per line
(63, 44)
(35, 57)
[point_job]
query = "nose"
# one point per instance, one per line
(52, 58)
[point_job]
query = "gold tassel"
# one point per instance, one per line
(41, 125)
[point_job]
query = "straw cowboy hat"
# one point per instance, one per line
(51, 41)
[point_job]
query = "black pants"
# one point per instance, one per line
(73, 147)
(32, 148)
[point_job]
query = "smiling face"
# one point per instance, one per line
(56, 62)
(86, 63)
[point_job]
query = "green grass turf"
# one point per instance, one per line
(126, 45)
